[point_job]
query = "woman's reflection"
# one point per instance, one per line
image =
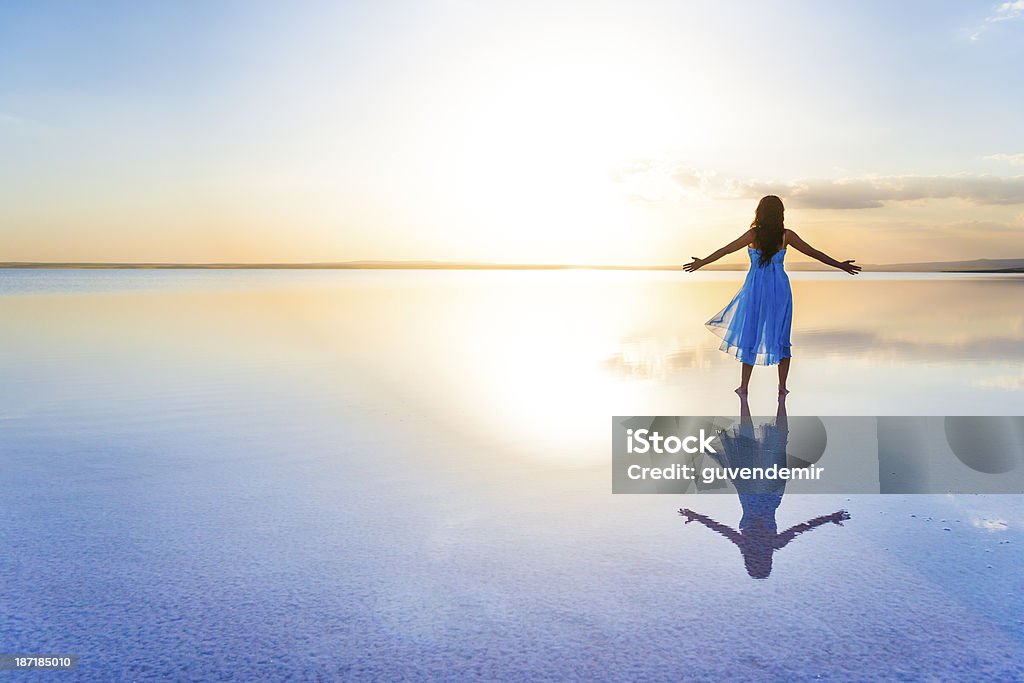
(758, 537)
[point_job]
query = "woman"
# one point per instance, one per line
(755, 326)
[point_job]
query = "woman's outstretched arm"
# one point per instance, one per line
(801, 246)
(738, 243)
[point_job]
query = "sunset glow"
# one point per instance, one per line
(505, 132)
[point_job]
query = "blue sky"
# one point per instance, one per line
(527, 131)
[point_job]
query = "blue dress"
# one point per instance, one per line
(755, 325)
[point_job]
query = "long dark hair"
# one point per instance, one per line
(769, 223)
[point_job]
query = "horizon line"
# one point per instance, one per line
(994, 265)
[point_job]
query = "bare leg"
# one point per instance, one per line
(783, 374)
(744, 379)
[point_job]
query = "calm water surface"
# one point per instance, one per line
(327, 474)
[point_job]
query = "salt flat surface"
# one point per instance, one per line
(394, 477)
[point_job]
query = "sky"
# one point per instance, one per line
(516, 132)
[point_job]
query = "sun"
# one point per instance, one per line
(536, 150)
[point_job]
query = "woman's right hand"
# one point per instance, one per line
(693, 265)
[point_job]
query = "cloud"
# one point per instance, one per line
(1015, 159)
(978, 229)
(1007, 10)
(875, 191)
(1004, 11)
(652, 181)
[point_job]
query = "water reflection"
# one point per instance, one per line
(974, 325)
(652, 358)
(758, 536)
(278, 453)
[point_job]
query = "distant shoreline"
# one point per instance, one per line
(331, 266)
(980, 266)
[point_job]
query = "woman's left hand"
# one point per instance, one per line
(849, 266)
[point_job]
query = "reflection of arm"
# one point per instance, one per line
(726, 531)
(794, 531)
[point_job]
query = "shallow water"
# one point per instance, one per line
(262, 474)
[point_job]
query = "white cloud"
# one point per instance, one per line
(1008, 10)
(875, 191)
(1015, 159)
(1004, 11)
(647, 181)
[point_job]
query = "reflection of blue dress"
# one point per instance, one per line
(755, 326)
(745, 446)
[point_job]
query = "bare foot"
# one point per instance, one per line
(742, 391)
